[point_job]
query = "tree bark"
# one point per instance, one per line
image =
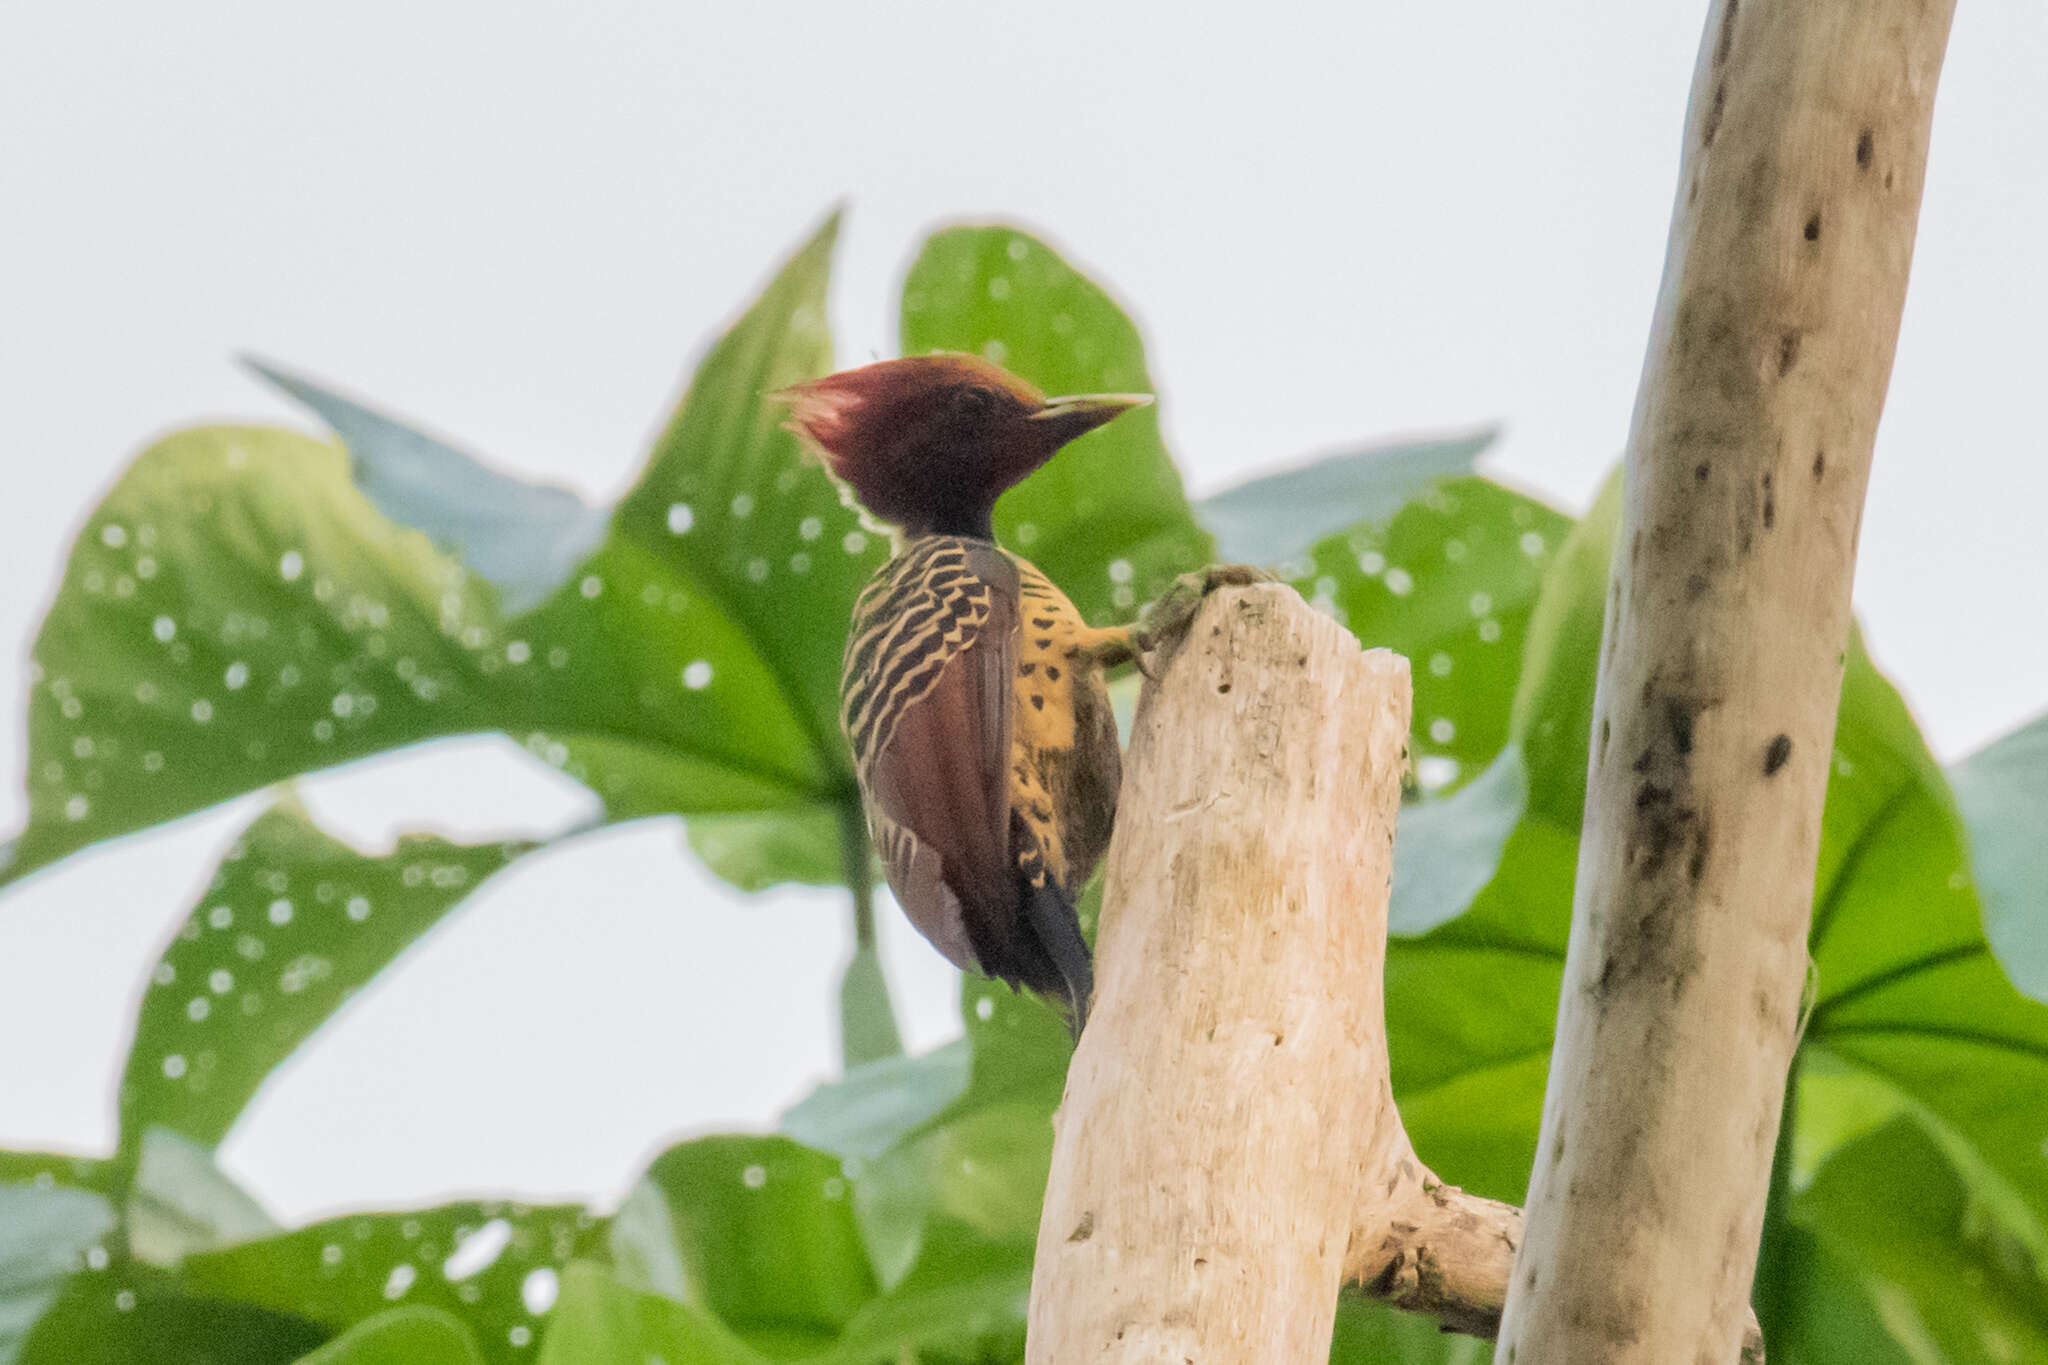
(1230, 1094)
(1727, 614)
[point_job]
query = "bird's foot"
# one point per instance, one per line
(1169, 618)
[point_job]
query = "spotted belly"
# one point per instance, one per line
(1065, 766)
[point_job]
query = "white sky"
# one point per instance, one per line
(519, 223)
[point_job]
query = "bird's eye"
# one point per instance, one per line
(972, 403)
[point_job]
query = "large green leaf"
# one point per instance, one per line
(1450, 581)
(1107, 519)
(600, 1321)
(730, 505)
(2003, 792)
(291, 925)
(1947, 1279)
(238, 611)
(494, 1265)
(758, 1231)
(401, 1336)
(1269, 519)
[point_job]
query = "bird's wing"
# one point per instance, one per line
(927, 709)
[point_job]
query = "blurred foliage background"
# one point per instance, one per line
(249, 604)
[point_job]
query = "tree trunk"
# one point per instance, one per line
(1727, 614)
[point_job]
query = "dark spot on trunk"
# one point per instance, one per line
(1813, 228)
(1222, 687)
(1084, 1229)
(1770, 505)
(1695, 587)
(1866, 144)
(1788, 353)
(1820, 463)
(1776, 753)
(1606, 729)
(1700, 471)
(1725, 42)
(1678, 715)
(1713, 123)
(1887, 179)
(1643, 761)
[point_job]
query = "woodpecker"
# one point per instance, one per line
(973, 693)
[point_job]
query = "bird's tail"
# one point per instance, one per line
(1050, 918)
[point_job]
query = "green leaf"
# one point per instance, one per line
(1107, 519)
(495, 1265)
(1945, 1275)
(1368, 1333)
(756, 850)
(1270, 518)
(1553, 706)
(130, 1314)
(878, 1104)
(966, 1298)
(44, 1235)
(1447, 850)
(1909, 988)
(1845, 1316)
(524, 538)
(2003, 792)
(401, 1336)
(600, 1321)
(292, 924)
(236, 612)
(1450, 581)
(764, 1237)
(731, 507)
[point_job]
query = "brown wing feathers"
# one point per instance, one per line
(926, 707)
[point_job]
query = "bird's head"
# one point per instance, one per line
(929, 442)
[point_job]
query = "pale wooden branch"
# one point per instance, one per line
(1770, 351)
(1229, 1153)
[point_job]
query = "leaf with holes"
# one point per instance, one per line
(401, 1336)
(494, 1265)
(601, 1321)
(1271, 518)
(292, 924)
(761, 1232)
(733, 509)
(2003, 792)
(1107, 519)
(1450, 581)
(238, 611)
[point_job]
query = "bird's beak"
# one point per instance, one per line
(1062, 419)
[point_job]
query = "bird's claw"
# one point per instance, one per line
(1169, 617)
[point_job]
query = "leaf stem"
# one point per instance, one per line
(857, 865)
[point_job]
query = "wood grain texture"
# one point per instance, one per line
(1229, 1105)
(1728, 611)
